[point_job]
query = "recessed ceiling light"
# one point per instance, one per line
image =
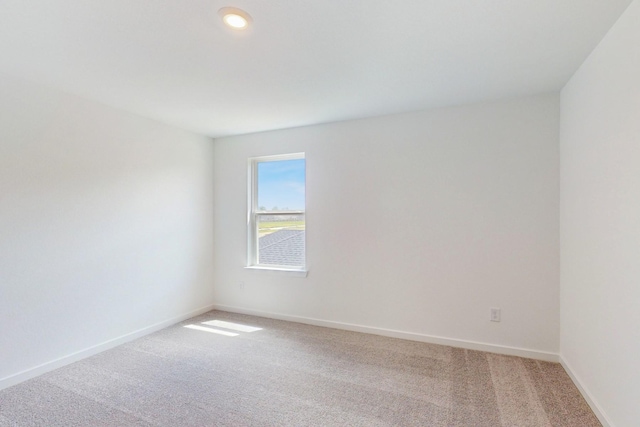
(235, 18)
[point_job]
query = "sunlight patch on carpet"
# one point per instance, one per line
(211, 330)
(233, 326)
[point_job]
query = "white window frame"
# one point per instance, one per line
(253, 212)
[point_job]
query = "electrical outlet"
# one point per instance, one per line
(495, 314)
(241, 286)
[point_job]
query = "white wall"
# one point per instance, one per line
(106, 225)
(416, 222)
(600, 223)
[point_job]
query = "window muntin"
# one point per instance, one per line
(276, 214)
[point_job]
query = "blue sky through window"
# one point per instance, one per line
(281, 185)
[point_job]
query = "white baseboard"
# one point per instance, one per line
(82, 354)
(597, 409)
(470, 345)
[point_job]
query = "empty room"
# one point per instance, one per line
(319, 213)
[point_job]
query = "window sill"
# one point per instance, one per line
(279, 270)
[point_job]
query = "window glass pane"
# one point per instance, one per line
(281, 185)
(281, 239)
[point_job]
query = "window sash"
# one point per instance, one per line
(275, 217)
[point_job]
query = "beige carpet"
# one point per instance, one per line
(288, 374)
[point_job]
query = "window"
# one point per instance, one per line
(276, 217)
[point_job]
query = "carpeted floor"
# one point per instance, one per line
(289, 374)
